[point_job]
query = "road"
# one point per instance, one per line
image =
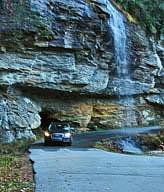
(81, 168)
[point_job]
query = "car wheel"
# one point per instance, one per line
(70, 143)
(46, 142)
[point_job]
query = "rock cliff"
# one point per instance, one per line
(57, 62)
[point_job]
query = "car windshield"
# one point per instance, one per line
(61, 128)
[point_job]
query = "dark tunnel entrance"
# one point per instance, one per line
(54, 131)
(46, 119)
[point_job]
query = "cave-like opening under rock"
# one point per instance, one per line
(45, 120)
(47, 117)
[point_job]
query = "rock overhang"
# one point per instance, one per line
(66, 47)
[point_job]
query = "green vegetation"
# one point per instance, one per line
(15, 174)
(149, 13)
(15, 148)
(15, 169)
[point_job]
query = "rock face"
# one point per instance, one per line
(57, 62)
(18, 117)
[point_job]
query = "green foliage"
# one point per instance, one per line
(149, 13)
(15, 170)
(6, 161)
(15, 174)
(18, 147)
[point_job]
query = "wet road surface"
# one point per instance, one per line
(81, 168)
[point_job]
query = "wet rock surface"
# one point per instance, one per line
(148, 142)
(60, 56)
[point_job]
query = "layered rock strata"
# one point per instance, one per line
(57, 62)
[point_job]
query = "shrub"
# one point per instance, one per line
(149, 13)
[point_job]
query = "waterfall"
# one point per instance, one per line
(116, 23)
(123, 82)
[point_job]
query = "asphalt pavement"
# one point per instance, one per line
(81, 168)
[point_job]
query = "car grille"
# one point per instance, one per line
(57, 135)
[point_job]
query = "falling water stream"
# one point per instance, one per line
(116, 23)
(123, 81)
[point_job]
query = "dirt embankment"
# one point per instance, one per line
(147, 143)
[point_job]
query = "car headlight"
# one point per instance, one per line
(46, 133)
(67, 134)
